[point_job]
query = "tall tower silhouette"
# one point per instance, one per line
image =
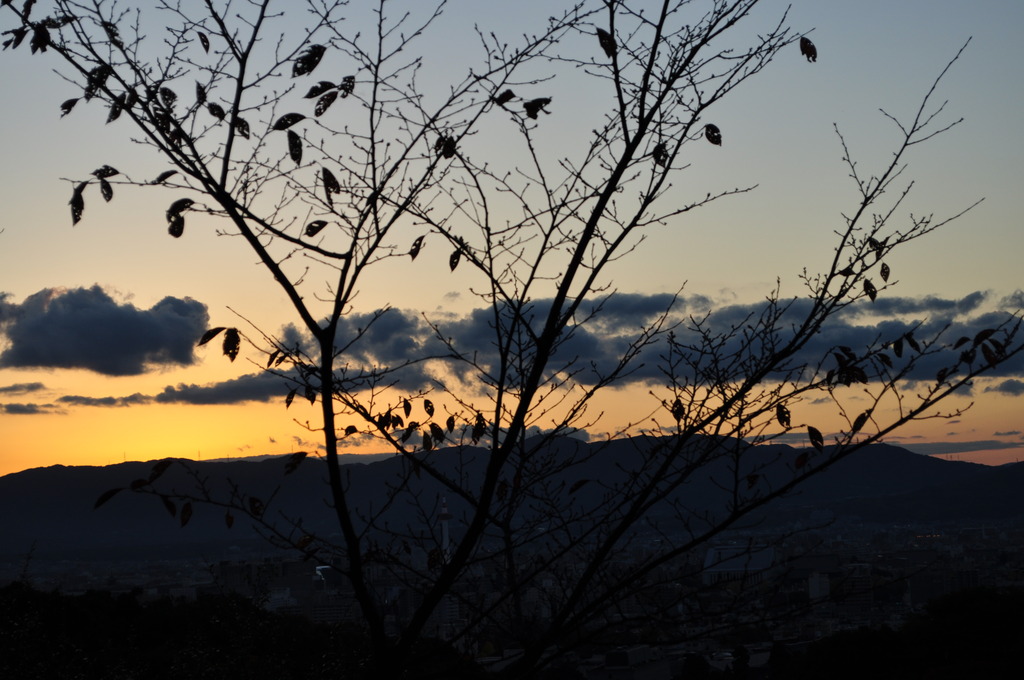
(447, 614)
(446, 546)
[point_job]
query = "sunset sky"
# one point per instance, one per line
(98, 322)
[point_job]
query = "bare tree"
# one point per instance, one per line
(546, 551)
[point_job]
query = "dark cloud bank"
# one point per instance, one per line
(254, 387)
(85, 328)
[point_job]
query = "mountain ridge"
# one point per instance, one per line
(51, 508)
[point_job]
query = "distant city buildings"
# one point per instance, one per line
(745, 590)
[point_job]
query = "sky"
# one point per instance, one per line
(98, 321)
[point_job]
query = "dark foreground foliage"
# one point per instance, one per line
(976, 633)
(103, 635)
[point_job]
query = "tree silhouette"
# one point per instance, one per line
(332, 180)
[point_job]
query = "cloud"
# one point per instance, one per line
(246, 388)
(1012, 387)
(7, 309)
(132, 400)
(22, 388)
(861, 325)
(253, 387)
(929, 305)
(301, 443)
(396, 341)
(86, 328)
(24, 409)
(1013, 302)
(388, 338)
(599, 335)
(627, 312)
(604, 330)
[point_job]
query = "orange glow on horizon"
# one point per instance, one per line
(84, 435)
(986, 456)
(104, 436)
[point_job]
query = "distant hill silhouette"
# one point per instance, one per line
(52, 508)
